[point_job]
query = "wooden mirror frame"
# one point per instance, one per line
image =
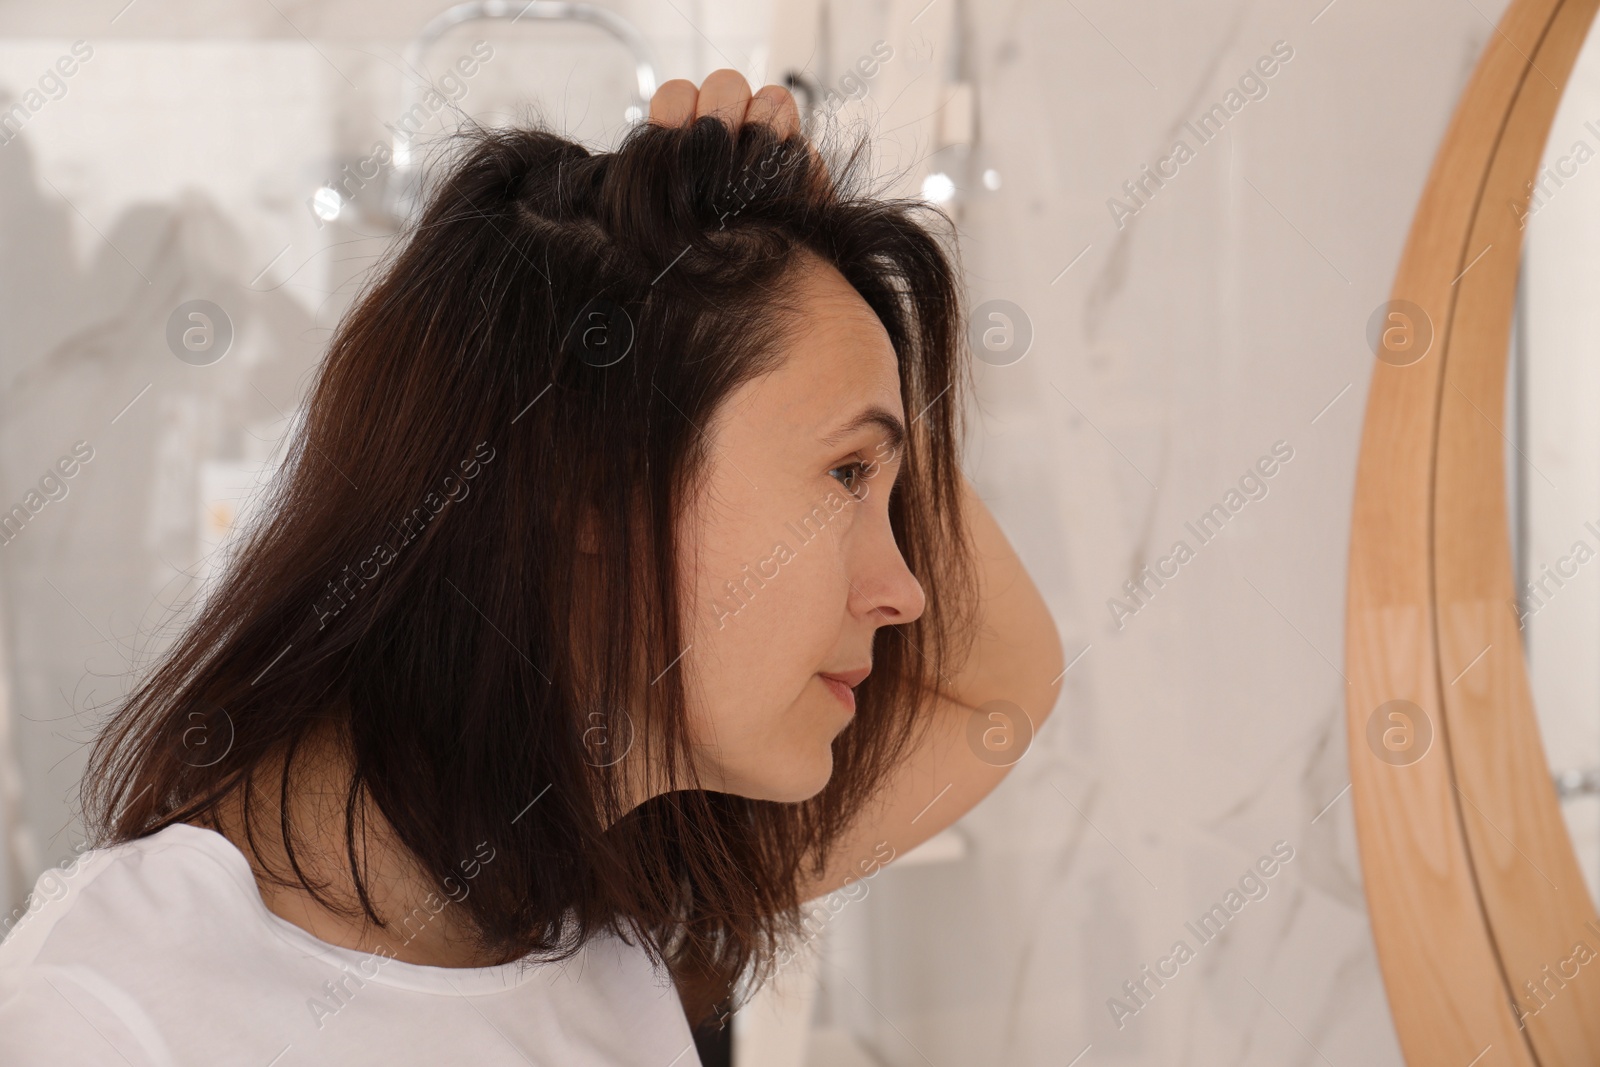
(1474, 892)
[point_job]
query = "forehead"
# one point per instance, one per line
(836, 359)
(831, 313)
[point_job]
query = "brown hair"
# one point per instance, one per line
(539, 352)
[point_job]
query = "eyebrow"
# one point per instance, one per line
(893, 430)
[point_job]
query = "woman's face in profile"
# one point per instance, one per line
(790, 559)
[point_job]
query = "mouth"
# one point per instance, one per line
(846, 695)
(842, 684)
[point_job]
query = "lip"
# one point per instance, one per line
(846, 696)
(842, 684)
(851, 679)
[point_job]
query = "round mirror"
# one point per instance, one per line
(1477, 483)
(1552, 424)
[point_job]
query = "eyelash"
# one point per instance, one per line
(864, 469)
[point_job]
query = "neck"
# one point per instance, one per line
(422, 925)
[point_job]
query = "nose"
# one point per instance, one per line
(883, 589)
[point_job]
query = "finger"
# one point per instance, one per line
(724, 94)
(775, 106)
(673, 103)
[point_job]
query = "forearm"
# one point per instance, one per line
(1016, 653)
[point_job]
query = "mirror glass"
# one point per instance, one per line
(1553, 452)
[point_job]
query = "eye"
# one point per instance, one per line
(855, 475)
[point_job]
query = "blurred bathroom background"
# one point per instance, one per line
(186, 215)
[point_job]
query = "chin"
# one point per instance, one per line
(797, 767)
(802, 778)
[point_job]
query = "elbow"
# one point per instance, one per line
(1051, 694)
(1050, 674)
(1057, 659)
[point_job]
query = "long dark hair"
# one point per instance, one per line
(468, 558)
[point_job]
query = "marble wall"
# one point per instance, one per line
(1208, 330)
(1178, 339)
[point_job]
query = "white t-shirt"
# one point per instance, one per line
(161, 952)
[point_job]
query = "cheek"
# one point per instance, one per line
(767, 615)
(763, 629)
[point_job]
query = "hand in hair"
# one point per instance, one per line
(726, 95)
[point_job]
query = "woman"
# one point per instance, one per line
(523, 728)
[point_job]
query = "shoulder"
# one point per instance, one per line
(126, 901)
(107, 924)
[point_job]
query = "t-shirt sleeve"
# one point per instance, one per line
(71, 1016)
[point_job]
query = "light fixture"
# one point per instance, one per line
(327, 202)
(937, 188)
